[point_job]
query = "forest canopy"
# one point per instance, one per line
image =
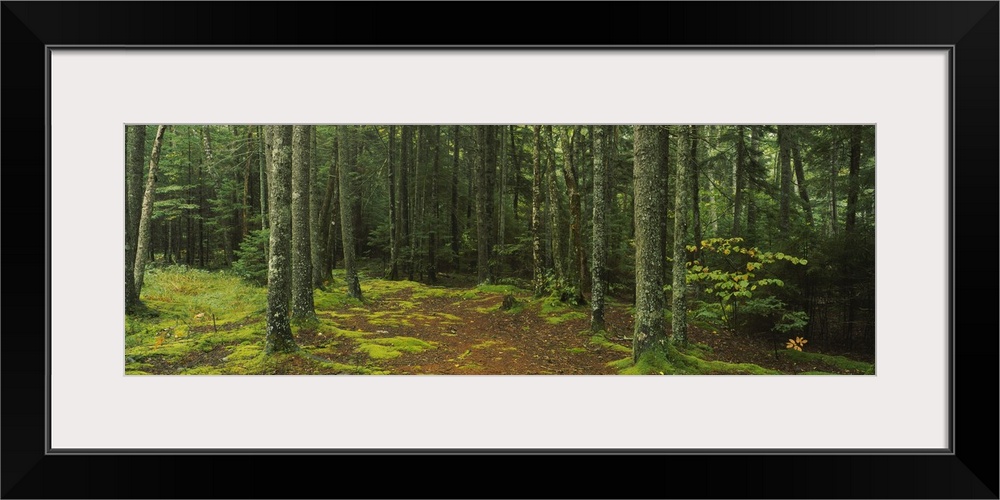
(500, 248)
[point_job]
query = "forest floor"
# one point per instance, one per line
(213, 323)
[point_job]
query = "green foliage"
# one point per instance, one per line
(735, 285)
(251, 263)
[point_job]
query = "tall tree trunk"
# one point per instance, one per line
(538, 276)
(435, 210)
(327, 224)
(554, 207)
(739, 180)
(349, 192)
(415, 202)
(145, 218)
(278, 337)
(785, 159)
(800, 177)
(579, 266)
(302, 278)
(334, 240)
(834, 157)
(486, 172)
(245, 206)
(649, 333)
(316, 241)
(135, 150)
(692, 179)
(516, 163)
(663, 173)
(599, 260)
(393, 227)
(403, 223)
(853, 179)
(682, 200)
(265, 166)
(455, 248)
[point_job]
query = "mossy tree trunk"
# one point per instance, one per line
(316, 241)
(578, 266)
(649, 332)
(302, 278)
(599, 259)
(538, 275)
(663, 155)
(693, 181)
(348, 194)
(278, 337)
(555, 210)
(146, 216)
(682, 202)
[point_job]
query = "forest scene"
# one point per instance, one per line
(499, 249)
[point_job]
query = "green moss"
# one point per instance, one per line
(562, 318)
(471, 367)
(243, 352)
(427, 292)
(500, 289)
(487, 343)
(576, 350)
(685, 361)
(600, 340)
(840, 362)
(392, 347)
(201, 370)
(815, 373)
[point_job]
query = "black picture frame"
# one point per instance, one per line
(970, 29)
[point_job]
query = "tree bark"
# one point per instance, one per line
(600, 258)
(538, 276)
(435, 210)
(278, 337)
(785, 155)
(317, 244)
(145, 219)
(578, 269)
(406, 138)
(554, 207)
(649, 333)
(682, 200)
(455, 248)
(739, 180)
(663, 173)
(135, 149)
(800, 177)
(302, 278)
(693, 177)
(393, 227)
(486, 172)
(349, 192)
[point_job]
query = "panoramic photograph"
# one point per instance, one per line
(513, 249)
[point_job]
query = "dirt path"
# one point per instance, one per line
(472, 335)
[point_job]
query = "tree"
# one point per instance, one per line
(302, 289)
(785, 154)
(800, 177)
(649, 333)
(278, 337)
(348, 195)
(455, 236)
(555, 210)
(578, 268)
(147, 212)
(135, 148)
(393, 226)
(739, 179)
(402, 188)
(538, 276)
(682, 201)
(853, 179)
(599, 260)
(435, 209)
(485, 175)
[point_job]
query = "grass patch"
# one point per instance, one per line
(576, 350)
(840, 362)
